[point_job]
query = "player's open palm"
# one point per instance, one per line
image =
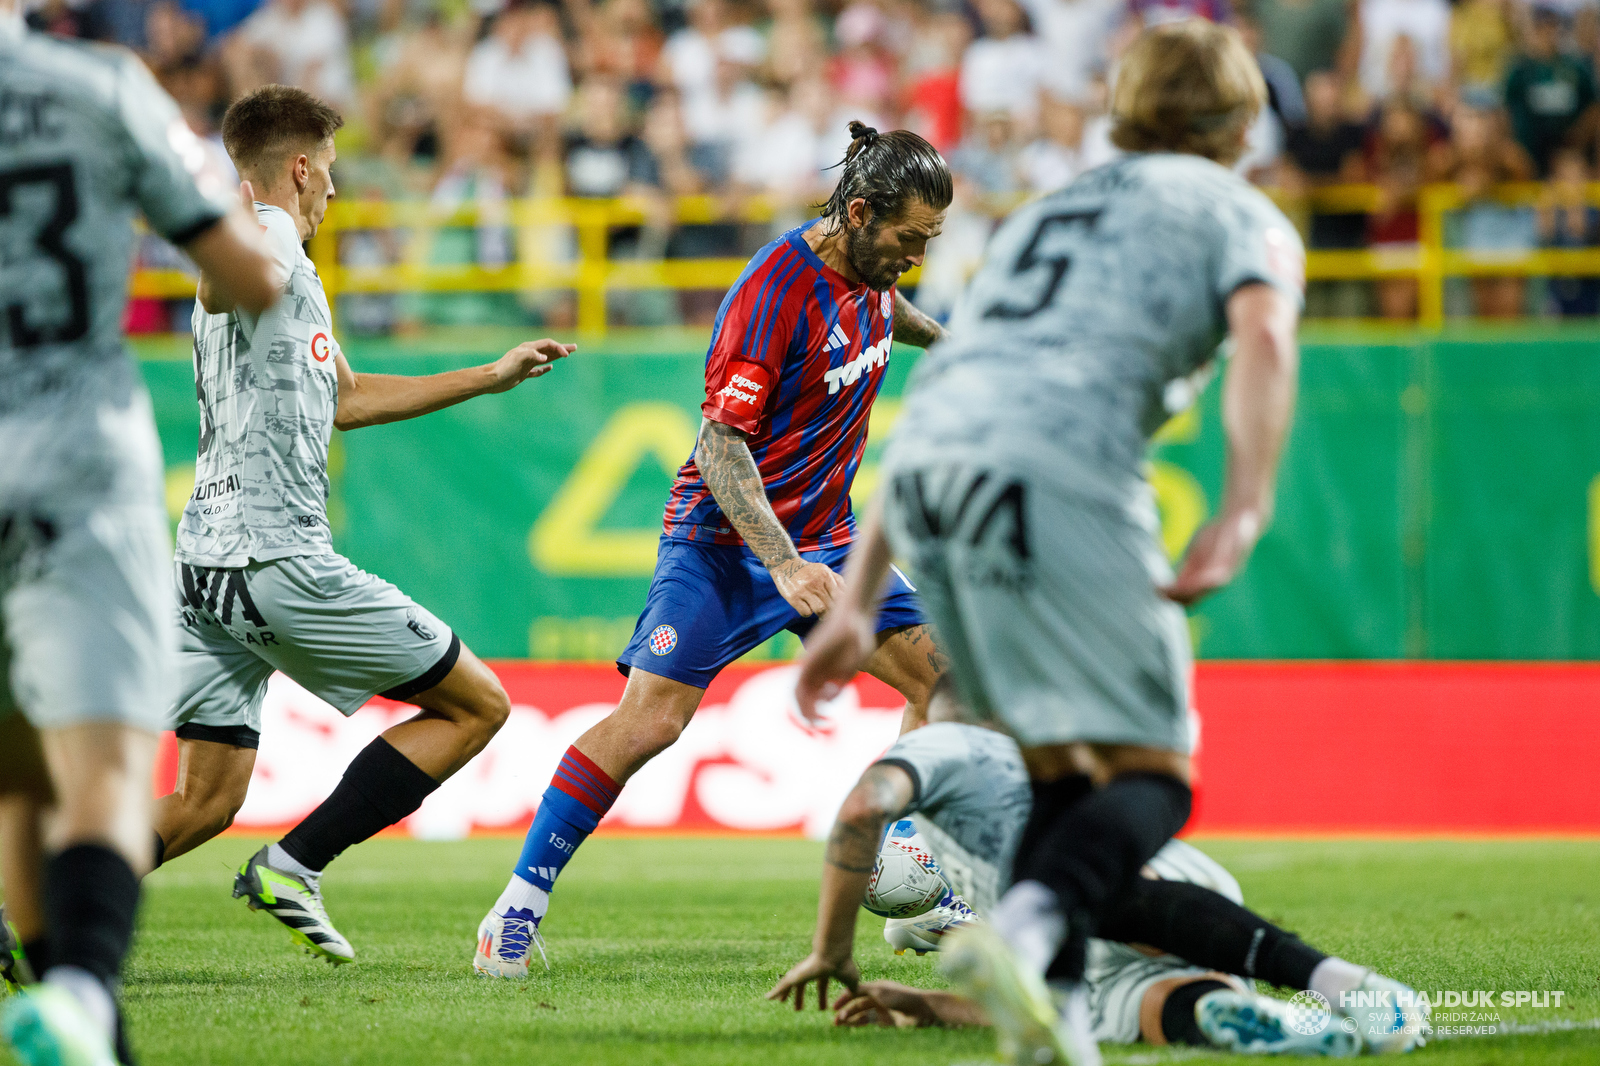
(1215, 555)
(809, 587)
(528, 360)
(815, 967)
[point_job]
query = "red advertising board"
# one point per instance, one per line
(1284, 747)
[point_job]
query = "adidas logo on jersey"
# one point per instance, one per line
(836, 339)
(872, 357)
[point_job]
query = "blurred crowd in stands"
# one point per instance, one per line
(453, 101)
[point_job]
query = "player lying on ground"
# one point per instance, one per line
(260, 586)
(759, 519)
(1171, 954)
(85, 600)
(1014, 489)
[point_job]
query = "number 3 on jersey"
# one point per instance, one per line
(42, 201)
(1058, 260)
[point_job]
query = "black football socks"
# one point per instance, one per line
(379, 788)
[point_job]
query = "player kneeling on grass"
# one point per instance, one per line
(969, 791)
(260, 587)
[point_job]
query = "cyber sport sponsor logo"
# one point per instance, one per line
(663, 639)
(321, 347)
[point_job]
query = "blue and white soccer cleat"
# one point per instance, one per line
(506, 943)
(1030, 1032)
(1250, 1024)
(46, 1026)
(1390, 1018)
(295, 901)
(923, 933)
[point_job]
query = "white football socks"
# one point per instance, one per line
(1333, 975)
(1029, 918)
(279, 859)
(524, 897)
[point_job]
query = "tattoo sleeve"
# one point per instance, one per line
(723, 456)
(853, 845)
(912, 326)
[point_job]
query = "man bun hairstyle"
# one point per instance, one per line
(887, 170)
(1189, 87)
(264, 128)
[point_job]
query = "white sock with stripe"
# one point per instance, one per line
(524, 897)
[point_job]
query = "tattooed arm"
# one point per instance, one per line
(723, 456)
(913, 327)
(882, 794)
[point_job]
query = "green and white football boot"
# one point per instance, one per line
(46, 1026)
(295, 901)
(10, 956)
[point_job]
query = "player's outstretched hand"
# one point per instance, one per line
(884, 1003)
(809, 587)
(838, 648)
(815, 968)
(1215, 555)
(528, 360)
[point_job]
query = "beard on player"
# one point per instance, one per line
(878, 271)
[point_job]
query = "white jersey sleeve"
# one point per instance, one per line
(178, 189)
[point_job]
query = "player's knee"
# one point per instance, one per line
(659, 733)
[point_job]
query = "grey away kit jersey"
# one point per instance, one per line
(1093, 319)
(268, 389)
(86, 139)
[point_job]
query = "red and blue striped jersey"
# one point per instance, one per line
(797, 357)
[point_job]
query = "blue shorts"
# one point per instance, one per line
(711, 603)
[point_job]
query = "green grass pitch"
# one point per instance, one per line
(662, 948)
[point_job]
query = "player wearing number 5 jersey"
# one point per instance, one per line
(759, 518)
(86, 140)
(260, 587)
(1015, 493)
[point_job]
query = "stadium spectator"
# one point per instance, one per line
(1481, 155)
(789, 158)
(721, 122)
(304, 43)
(1567, 219)
(863, 70)
(1384, 24)
(623, 42)
(1003, 68)
(1482, 41)
(603, 157)
(989, 158)
(689, 58)
(519, 73)
(1157, 12)
(417, 91)
(171, 35)
(1077, 37)
(1404, 152)
(797, 41)
(1549, 94)
(1055, 157)
(933, 80)
(1309, 35)
(1285, 110)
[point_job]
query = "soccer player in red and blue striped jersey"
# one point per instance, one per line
(759, 521)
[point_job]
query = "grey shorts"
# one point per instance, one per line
(85, 624)
(1047, 606)
(338, 631)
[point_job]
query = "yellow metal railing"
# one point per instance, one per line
(592, 276)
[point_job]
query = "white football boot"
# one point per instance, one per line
(295, 901)
(47, 1026)
(1246, 1023)
(1388, 1016)
(506, 943)
(923, 933)
(1030, 1032)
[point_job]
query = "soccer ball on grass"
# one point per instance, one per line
(906, 881)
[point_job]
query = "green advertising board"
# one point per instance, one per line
(1437, 500)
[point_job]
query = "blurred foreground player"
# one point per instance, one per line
(1174, 950)
(759, 520)
(260, 587)
(1014, 489)
(86, 139)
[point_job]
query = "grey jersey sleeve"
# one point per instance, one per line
(1259, 245)
(180, 194)
(958, 765)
